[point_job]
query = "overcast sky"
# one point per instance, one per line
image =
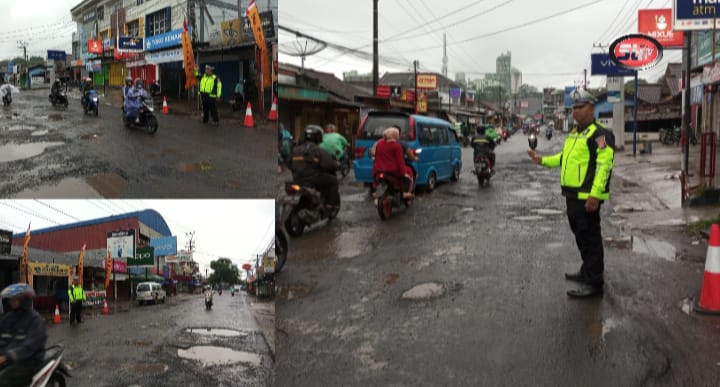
(42, 24)
(551, 52)
(235, 229)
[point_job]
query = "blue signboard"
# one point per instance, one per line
(568, 100)
(168, 39)
(455, 92)
(694, 14)
(130, 43)
(56, 55)
(603, 65)
(164, 246)
(108, 44)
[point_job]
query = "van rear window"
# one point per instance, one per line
(375, 125)
(143, 288)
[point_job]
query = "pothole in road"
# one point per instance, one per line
(14, 151)
(91, 136)
(40, 132)
(547, 211)
(528, 218)
(526, 192)
(644, 245)
(216, 332)
(18, 127)
(67, 188)
(598, 329)
(55, 117)
(424, 291)
(212, 355)
(146, 369)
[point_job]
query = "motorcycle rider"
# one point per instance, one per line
(133, 101)
(314, 166)
(127, 87)
(389, 159)
(22, 337)
(483, 146)
(87, 86)
(5, 89)
(334, 142)
(55, 89)
(284, 146)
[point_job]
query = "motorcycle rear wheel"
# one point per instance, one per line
(384, 206)
(281, 250)
(95, 111)
(151, 125)
(294, 225)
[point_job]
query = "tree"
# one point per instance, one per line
(224, 271)
(528, 91)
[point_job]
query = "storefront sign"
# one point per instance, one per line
(88, 16)
(455, 92)
(56, 55)
(267, 24)
(614, 89)
(130, 43)
(108, 44)
(119, 266)
(168, 39)
(5, 242)
(94, 298)
(42, 269)
(164, 246)
(426, 81)
(165, 56)
(601, 64)
(711, 73)
(694, 14)
(636, 52)
(184, 256)
(144, 256)
(656, 23)
(94, 46)
(382, 91)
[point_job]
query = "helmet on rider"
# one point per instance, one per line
(138, 83)
(481, 130)
(313, 133)
(19, 291)
(128, 79)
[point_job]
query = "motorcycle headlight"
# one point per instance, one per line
(95, 99)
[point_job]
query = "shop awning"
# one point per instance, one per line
(149, 278)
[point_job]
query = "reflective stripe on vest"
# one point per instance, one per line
(577, 160)
(208, 85)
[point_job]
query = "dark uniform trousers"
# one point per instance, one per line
(76, 311)
(586, 227)
(209, 106)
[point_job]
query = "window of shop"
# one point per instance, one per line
(100, 12)
(158, 22)
(133, 28)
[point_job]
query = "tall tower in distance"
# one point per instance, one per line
(445, 60)
(503, 67)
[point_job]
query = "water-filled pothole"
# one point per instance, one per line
(644, 245)
(212, 355)
(424, 291)
(216, 332)
(14, 151)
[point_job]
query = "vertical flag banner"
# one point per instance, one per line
(80, 265)
(23, 259)
(188, 58)
(108, 271)
(256, 25)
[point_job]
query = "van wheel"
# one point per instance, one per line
(431, 182)
(456, 173)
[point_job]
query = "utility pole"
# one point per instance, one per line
(375, 48)
(190, 243)
(415, 64)
(23, 45)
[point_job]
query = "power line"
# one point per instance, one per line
(56, 210)
(31, 213)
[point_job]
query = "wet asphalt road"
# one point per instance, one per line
(496, 257)
(140, 345)
(53, 152)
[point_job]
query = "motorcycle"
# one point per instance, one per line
(389, 194)
(232, 291)
(532, 141)
(7, 98)
(236, 102)
(59, 98)
(90, 103)
(52, 371)
(208, 300)
(302, 206)
(281, 241)
(483, 170)
(147, 119)
(548, 133)
(505, 134)
(220, 292)
(345, 164)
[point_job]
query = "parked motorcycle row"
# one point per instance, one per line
(674, 136)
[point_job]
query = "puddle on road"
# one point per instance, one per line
(528, 218)
(108, 186)
(526, 193)
(72, 187)
(424, 291)
(598, 329)
(14, 151)
(355, 198)
(18, 127)
(211, 355)
(146, 369)
(40, 132)
(548, 211)
(216, 332)
(644, 245)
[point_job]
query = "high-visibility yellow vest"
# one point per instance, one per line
(210, 84)
(76, 293)
(586, 167)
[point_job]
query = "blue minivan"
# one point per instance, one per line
(432, 139)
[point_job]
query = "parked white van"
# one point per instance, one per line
(149, 292)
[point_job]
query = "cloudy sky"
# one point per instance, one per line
(42, 24)
(550, 41)
(235, 229)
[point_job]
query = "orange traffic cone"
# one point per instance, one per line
(56, 318)
(273, 110)
(105, 308)
(710, 294)
(165, 108)
(249, 122)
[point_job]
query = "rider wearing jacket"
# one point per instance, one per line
(133, 100)
(483, 145)
(22, 337)
(389, 159)
(312, 165)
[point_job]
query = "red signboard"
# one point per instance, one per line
(246, 266)
(95, 46)
(636, 52)
(382, 91)
(119, 266)
(657, 23)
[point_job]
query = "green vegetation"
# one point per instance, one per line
(32, 61)
(700, 227)
(224, 271)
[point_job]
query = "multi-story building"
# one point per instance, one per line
(149, 33)
(503, 69)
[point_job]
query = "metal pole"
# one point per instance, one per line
(686, 104)
(415, 63)
(635, 115)
(376, 65)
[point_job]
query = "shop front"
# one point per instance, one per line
(50, 282)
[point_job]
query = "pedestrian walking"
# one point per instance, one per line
(586, 163)
(210, 91)
(76, 295)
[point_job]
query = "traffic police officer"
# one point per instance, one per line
(586, 163)
(76, 296)
(210, 90)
